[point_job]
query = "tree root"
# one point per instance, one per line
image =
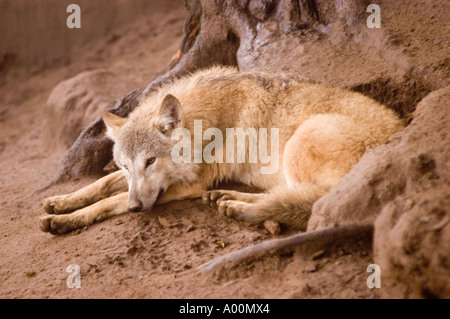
(320, 238)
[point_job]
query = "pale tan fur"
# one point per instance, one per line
(323, 133)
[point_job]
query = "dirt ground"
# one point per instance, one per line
(144, 255)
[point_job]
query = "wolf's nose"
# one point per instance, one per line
(135, 207)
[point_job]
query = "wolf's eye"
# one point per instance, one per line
(126, 167)
(150, 161)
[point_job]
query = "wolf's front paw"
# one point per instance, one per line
(233, 204)
(55, 225)
(231, 208)
(239, 210)
(211, 198)
(55, 205)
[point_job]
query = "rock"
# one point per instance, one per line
(412, 234)
(310, 267)
(76, 102)
(188, 224)
(166, 223)
(272, 227)
(403, 187)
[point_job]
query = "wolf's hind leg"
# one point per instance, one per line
(61, 224)
(104, 187)
(286, 205)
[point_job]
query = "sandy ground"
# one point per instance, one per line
(137, 255)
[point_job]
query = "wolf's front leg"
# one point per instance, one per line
(61, 224)
(104, 187)
(181, 191)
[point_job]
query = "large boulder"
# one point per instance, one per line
(412, 234)
(76, 102)
(404, 188)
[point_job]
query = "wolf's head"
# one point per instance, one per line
(142, 150)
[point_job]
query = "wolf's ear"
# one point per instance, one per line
(169, 115)
(113, 124)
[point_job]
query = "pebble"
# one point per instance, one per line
(273, 227)
(310, 267)
(166, 223)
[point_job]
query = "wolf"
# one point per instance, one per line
(323, 132)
